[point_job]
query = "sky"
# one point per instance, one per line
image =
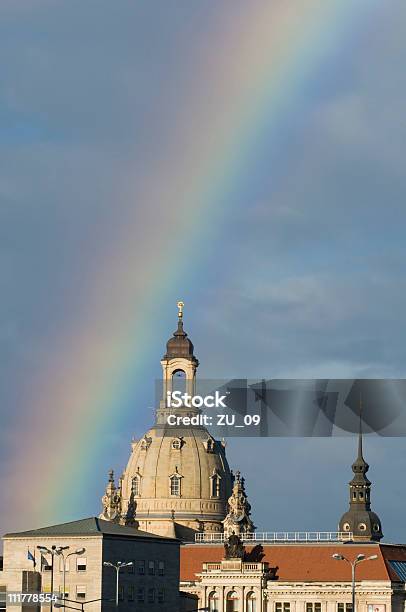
(247, 158)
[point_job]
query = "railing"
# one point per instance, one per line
(280, 536)
(227, 565)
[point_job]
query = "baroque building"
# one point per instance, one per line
(177, 481)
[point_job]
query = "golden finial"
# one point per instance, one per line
(180, 310)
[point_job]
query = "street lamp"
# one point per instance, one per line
(358, 559)
(117, 566)
(60, 552)
(50, 551)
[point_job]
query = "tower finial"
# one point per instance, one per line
(180, 310)
(360, 428)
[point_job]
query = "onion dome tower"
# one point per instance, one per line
(177, 478)
(360, 520)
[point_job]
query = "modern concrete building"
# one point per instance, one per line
(150, 582)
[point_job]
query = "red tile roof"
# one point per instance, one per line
(304, 562)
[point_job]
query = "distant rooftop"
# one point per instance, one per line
(88, 526)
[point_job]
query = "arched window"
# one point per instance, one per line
(232, 602)
(175, 485)
(215, 485)
(137, 484)
(179, 381)
(213, 602)
(251, 602)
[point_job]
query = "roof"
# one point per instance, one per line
(89, 526)
(305, 562)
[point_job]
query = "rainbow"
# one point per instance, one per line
(268, 53)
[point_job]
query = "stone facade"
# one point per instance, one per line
(152, 582)
(294, 578)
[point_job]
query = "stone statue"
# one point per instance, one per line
(238, 520)
(234, 548)
(111, 501)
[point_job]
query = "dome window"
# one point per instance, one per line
(136, 485)
(210, 445)
(362, 527)
(175, 484)
(377, 528)
(176, 443)
(346, 526)
(215, 485)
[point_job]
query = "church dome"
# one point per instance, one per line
(177, 481)
(364, 524)
(181, 480)
(179, 345)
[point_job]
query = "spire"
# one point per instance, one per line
(360, 466)
(360, 430)
(360, 520)
(179, 346)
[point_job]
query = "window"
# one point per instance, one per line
(61, 564)
(81, 564)
(131, 568)
(81, 591)
(232, 602)
(362, 527)
(141, 568)
(346, 526)
(121, 593)
(66, 591)
(215, 485)
(213, 602)
(151, 568)
(179, 381)
(175, 486)
(161, 568)
(151, 595)
(136, 485)
(130, 592)
(141, 594)
(344, 607)
(313, 607)
(161, 595)
(251, 602)
(282, 606)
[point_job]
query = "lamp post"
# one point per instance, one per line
(60, 551)
(50, 551)
(117, 566)
(358, 559)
